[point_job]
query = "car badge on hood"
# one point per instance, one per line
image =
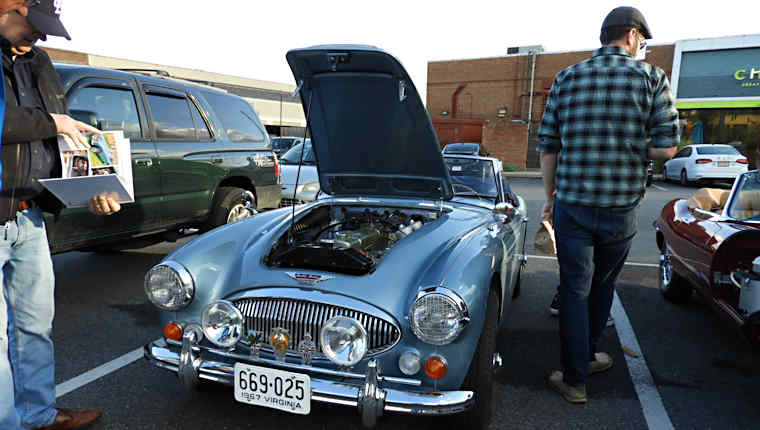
(308, 278)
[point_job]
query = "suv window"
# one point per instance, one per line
(237, 117)
(171, 117)
(107, 109)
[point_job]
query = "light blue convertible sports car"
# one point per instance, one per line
(385, 294)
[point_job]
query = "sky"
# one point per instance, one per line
(250, 38)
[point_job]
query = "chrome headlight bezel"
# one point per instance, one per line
(311, 187)
(182, 294)
(421, 308)
(235, 324)
(363, 341)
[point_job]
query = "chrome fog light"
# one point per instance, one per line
(438, 316)
(343, 340)
(169, 286)
(410, 363)
(222, 323)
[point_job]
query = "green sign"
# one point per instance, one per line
(721, 73)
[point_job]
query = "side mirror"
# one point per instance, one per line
(505, 209)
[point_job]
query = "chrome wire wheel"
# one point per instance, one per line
(673, 287)
(666, 269)
(237, 213)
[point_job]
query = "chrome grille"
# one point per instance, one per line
(285, 202)
(302, 316)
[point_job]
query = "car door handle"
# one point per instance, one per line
(144, 162)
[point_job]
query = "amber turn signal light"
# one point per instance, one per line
(173, 331)
(435, 367)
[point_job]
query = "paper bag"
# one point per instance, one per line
(545, 238)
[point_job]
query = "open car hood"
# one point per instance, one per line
(371, 133)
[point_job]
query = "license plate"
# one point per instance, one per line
(723, 163)
(272, 388)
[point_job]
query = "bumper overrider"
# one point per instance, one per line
(366, 394)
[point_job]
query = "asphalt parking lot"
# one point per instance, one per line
(701, 372)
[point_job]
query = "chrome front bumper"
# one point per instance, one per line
(368, 397)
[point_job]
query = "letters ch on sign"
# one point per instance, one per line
(742, 74)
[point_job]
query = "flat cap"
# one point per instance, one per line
(626, 16)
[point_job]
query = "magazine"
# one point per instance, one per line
(106, 168)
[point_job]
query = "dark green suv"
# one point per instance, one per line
(200, 158)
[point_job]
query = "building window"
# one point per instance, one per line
(737, 127)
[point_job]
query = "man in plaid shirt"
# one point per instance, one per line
(604, 118)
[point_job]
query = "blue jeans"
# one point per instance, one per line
(27, 367)
(592, 246)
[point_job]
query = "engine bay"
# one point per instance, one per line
(345, 239)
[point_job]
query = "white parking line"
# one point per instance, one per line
(628, 263)
(91, 375)
(659, 187)
(649, 397)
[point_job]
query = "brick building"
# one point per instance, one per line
(497, 91)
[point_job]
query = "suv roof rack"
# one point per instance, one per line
(158, 72)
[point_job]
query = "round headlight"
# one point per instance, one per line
(438, 317)
(343, 340)
(169, 286)
(222, 323)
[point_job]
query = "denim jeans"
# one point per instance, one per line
(27, 367)
(592, 246)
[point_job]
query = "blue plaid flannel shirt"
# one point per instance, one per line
(600, 117)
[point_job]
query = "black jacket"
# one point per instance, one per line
(23, 125)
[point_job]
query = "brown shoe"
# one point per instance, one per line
(570, 393)
(602, 361)
(72, 419)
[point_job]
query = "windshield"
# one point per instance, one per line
(461, 148)
(745, 204)
(472, 176)
(282, 142)
(717, 150)
(294, 154)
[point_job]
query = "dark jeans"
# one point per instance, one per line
(592, 245)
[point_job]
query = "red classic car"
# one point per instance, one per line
(711, 243)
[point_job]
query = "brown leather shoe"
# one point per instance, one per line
(72, 419)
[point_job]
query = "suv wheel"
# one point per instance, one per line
(231, 204)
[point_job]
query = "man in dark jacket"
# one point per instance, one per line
(35, 114)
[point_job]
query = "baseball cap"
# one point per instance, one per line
(626, 16)
(45, 16)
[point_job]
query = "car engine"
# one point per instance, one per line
(345, 239)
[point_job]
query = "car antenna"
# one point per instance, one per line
(300, 161)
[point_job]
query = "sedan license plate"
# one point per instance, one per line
(272, 388)
(723, 163)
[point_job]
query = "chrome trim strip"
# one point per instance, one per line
(336, 393)
(244, 358)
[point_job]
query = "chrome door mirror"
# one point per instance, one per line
(505, 209)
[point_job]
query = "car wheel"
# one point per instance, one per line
(230, 205)
(481, 374)
(675, 288)
(684, 178)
